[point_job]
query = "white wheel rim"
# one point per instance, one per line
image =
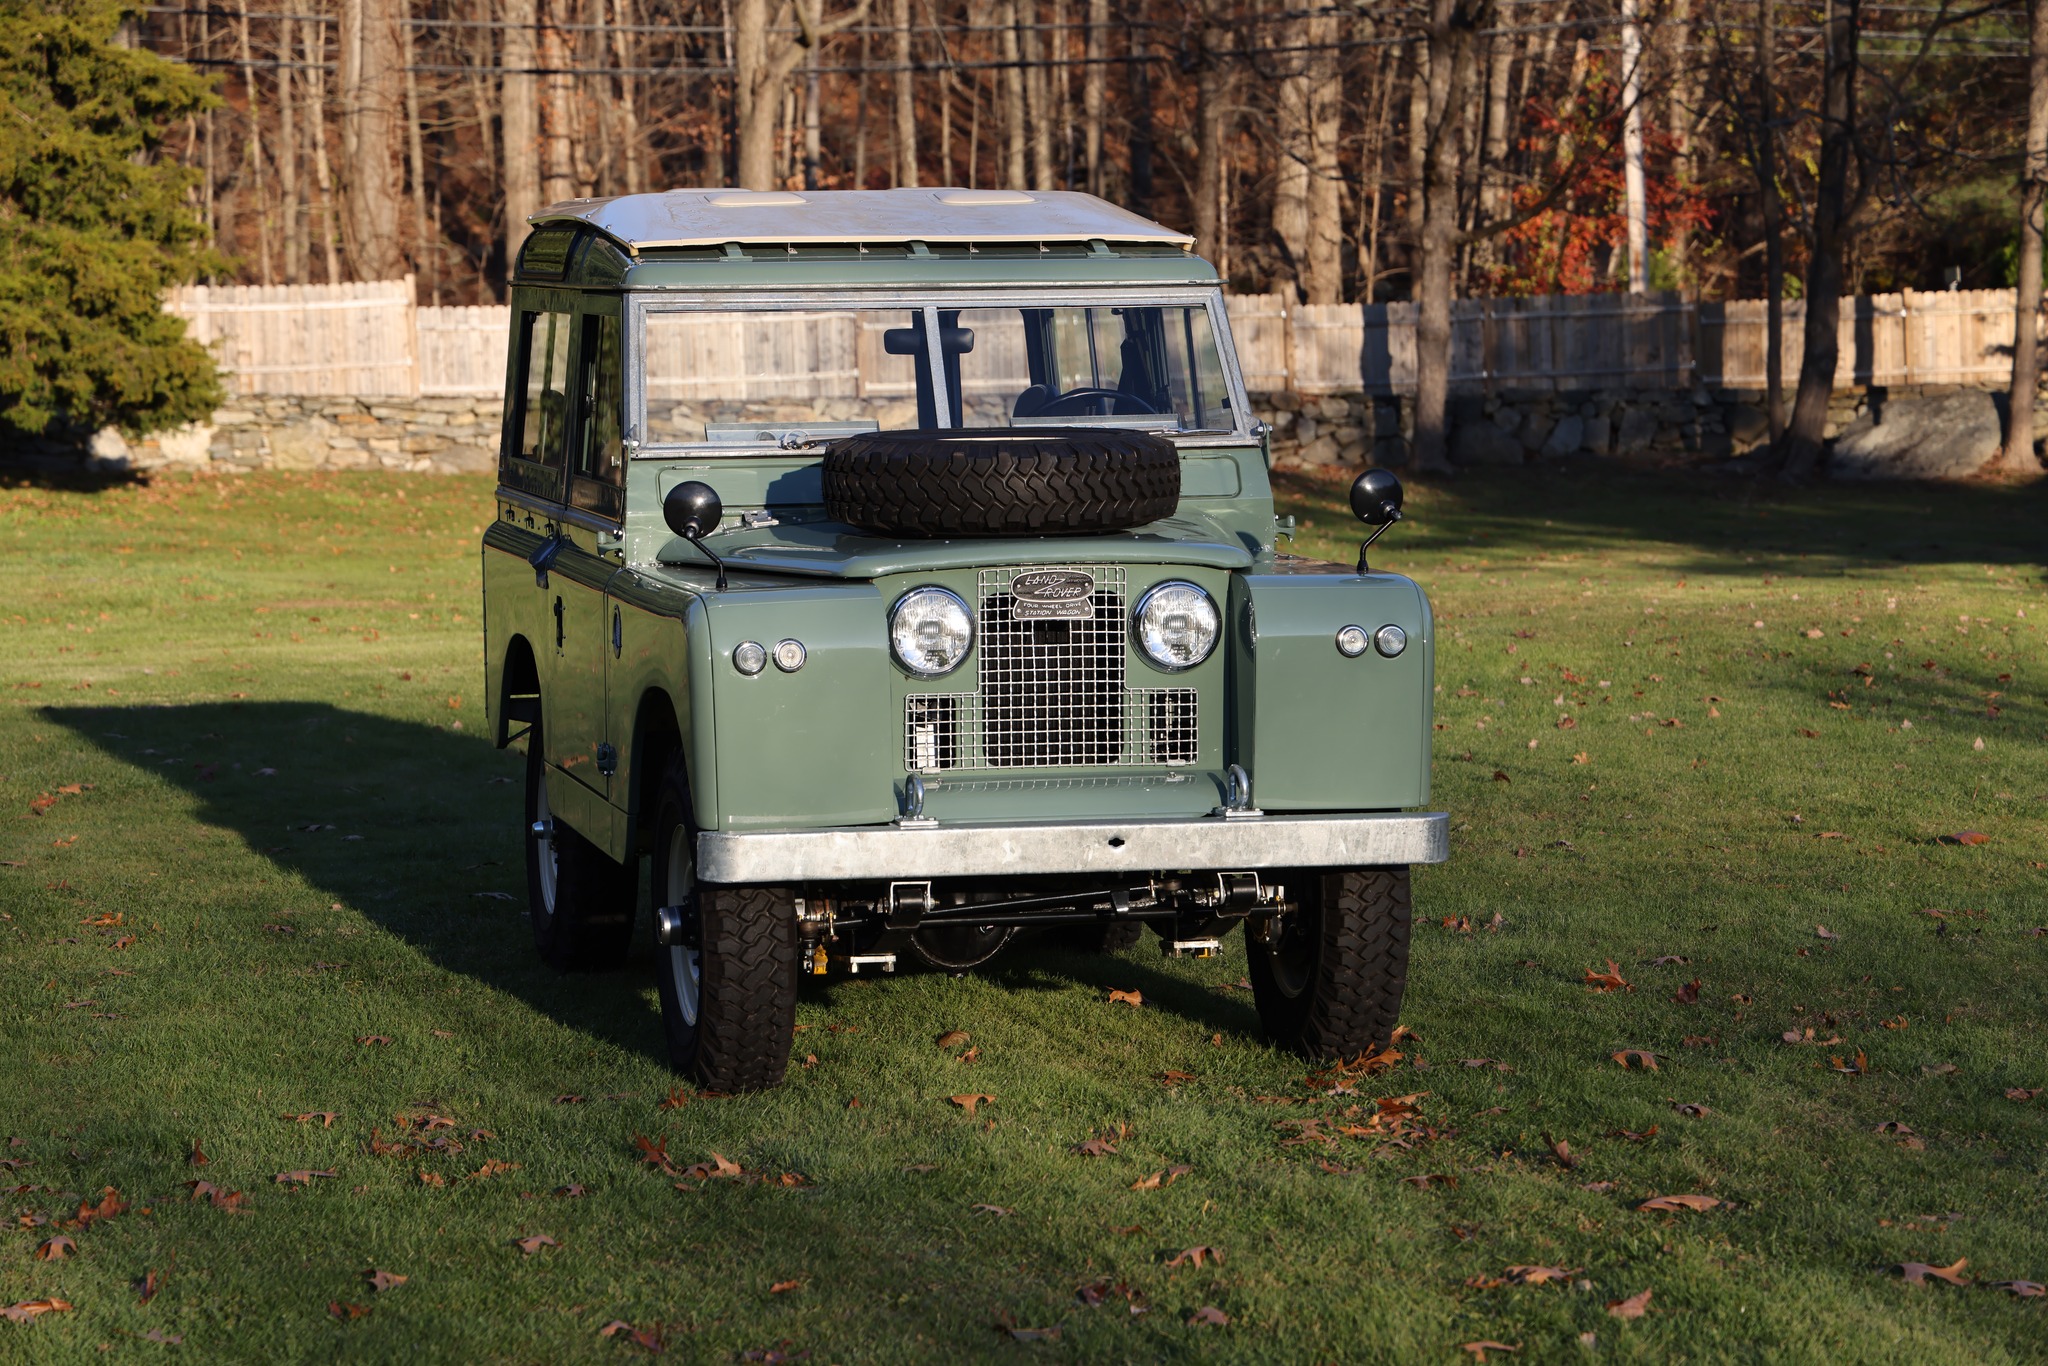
(685, 966)
(544, 851)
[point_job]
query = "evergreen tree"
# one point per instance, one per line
(95, 223)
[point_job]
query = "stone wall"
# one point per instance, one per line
(1517, 428)
(420, 435)
(460, 435)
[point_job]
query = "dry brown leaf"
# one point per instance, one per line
(196, 1158)
(1160, 1179)
(1916, 1273)
(1173, 1077)
(1129, 998)
(2025, 1290)
(1690, 1109)
(1673, 1203)
(783, 1287)
(1096, 1147)
(968, 1102)
(383, 1280)
(1634, 1307)
(615, 1326)
(1637, 1057)
(302, 1177)
(952, 1038)
(342, 1309)
(2021, 1094)
(491, 1168)
(146, 1288)
(1211, 1315)
(998, 1211)
(1851, 1069)
(428, 1178)
(1631, 1136)
(1562, 1151)
(531, 1245)
(55, 1249)
(1610, 980)
(378, 1040)
(1196, 1256)
(1969, 837)
(719, 1168)
(326, 1117)
(1539, 1275)
(1689, 994)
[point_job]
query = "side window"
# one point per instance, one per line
(599, 469)
(539, 442)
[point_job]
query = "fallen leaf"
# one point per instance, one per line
(492, 1167)
(374, 1040)
(1196, 1256)
(1562, 1151)
(1480, 1349)
(1637, 1057)
(1210, 1315)
(534, 1244)
(1538, 1275)
(146, 1288)
(783, 1287)
(1852, 1069)
(568, 1100)
(1159, 1179)
(1129, 998)
(1916, 1273)
(1174, 1078)
(341, 1309)
(1631, 1136)
(1610, 980)
(1671, 1204)
(997, 1210)
(1669, 959)
(1969, 837)
(1096, 1147)
(1598, 1187)
(1500, 777)
(55, 1249)
(1634, 1307)
(1823, 932)
(428, 1178)
(968, 1102)
(952, 1038)
(1691, 1110)
(970, 1055)
(383, 1280)
(326, 1117)
(1936, 1069)
(570, 1192)
(1689, 994)
(302, 1177)
(2025, 1290)
(615, 1326)
(2021, 1094)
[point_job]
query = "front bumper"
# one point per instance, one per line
(887, 853)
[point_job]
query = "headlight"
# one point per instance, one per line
(1176, 625)
(1390, 640)
(930, 630)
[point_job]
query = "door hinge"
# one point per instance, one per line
(607, 760)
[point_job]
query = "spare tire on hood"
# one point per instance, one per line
(1003, 481)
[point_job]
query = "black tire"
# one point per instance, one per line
(579, 901)
(1045, 481)
(728, 1005)
(1330, 986)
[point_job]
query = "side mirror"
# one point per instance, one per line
(1376, 498)
(692, 510)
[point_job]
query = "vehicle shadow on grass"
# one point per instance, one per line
(417, 827)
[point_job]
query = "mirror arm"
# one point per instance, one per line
(1366, 544)
(712, 555)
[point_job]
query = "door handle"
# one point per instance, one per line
(558, 623)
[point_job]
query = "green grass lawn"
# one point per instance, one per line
(1675, 719)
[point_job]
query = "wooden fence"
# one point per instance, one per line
(372, 340)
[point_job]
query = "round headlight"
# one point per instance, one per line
(789, 655)
(748, 657)
(1351, 642)
(1390, 640)
(930, 629)
(1176, 624)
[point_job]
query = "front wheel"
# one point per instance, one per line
(1328, 977)
(728, 989)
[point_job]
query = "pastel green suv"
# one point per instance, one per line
(897, 572)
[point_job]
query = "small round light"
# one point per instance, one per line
(1390, 640)
(789, 655)
(930, 630)
(1177, 625)
(1351, 642)
(749, 658)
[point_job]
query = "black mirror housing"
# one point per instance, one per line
(1376, 497)
(692, 509)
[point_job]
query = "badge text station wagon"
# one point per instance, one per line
(896, 571)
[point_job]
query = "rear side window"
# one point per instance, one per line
(599, 469)
(537, 448)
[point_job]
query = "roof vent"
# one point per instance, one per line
(982, 198)
(755, 199)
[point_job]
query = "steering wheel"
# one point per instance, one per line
(1059, 407)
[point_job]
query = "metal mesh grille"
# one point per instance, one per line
(1050, 694)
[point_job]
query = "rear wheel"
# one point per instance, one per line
(580, 901)
(1328, 978)
(728, 990)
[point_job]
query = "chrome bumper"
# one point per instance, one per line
(888, 852)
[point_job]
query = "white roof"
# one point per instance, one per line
(700, 218)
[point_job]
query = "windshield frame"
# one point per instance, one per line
(928, 301)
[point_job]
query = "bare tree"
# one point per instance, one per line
(370, 77)
(906, 100)
(1214, 93)
(1014, 175)
(2026, 321)
(1452, 59)
(1773, 204)
(1093, 88)
(765, 55)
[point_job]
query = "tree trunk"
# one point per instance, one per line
(1141, 120)
(315, 39)
(2026, 364)
(425, 256)
(370, 77)
(1094, 86)
(1820, 352)
(1291, 170)
(1492, 176)
(756, 104)
(519, 118)
(1452, 59)
(1015, 176)
(1038, 114)
(1418, 148)
(1323, 280)
(1634, 188)
(1213, 95)
(1774, 221)
(906, 101)
(558, 118)
(288, 162)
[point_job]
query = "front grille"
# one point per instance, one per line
(1050, 693)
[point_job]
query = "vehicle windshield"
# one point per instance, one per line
(754, 376)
